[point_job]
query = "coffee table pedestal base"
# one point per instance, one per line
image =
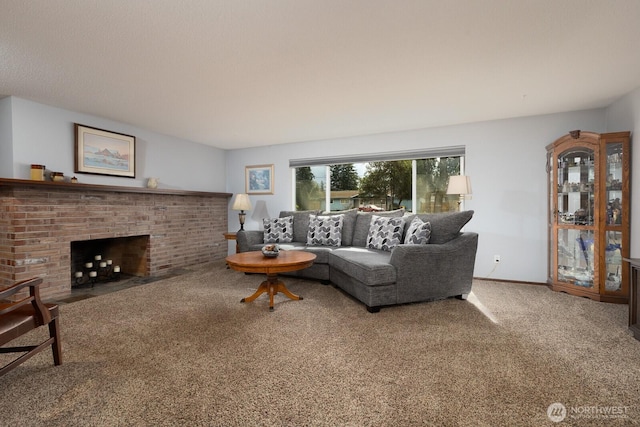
(271, 286)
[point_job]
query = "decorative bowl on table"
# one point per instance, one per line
(271, 251)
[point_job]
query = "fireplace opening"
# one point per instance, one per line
(97, 260)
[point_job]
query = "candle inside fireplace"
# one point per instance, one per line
(109, 262)
(89, 265)
(98, 257)
(103, 264)
(78, 273)
(116, 269)
(93, 273)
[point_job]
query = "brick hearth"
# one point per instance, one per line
(39, 220)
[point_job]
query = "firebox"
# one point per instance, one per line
(103, 258)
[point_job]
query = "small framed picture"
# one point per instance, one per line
(259, 179)
(104, 153)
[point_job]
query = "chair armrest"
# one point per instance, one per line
(42, 313)
(16, 287)
(247, 238)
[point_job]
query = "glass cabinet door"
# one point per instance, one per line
(613, 186)
(615, 206)
(576, 257)
(613, 261)
(575, 217)
(576, 175)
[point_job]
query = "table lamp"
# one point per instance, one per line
(461, 185)
(241, 203)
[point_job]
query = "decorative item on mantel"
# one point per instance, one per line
(37, 172)
(74, 180)
(97, 270)
(57, 176)
(152, 182)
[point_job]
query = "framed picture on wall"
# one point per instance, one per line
(102, 152)
(259, 179)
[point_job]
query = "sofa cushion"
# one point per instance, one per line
(300, 223)
(278, 230)
(369, 266)
(446, 226)
(418, 232)
(385, 233)
(325, 230)
(363, 221)
(321, 252)
(348, 224)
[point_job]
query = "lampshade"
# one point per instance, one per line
(260, 212)
(241, 203)
(459, 184)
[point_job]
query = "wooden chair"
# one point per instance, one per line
(24, 315)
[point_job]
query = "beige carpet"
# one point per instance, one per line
(185, 351)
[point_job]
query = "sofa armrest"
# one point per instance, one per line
(247, 238)
(435, 270)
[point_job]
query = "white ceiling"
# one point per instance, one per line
(243, 73)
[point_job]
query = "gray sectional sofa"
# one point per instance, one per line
(406, 273)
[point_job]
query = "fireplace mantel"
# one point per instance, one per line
(110, 188)
(40, 219)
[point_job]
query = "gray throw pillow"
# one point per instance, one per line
(385, 233)
(278, 230)
(446, 226)
(325, 230)
(300, 223)
(418, 232)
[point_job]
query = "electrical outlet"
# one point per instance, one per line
(496, 259)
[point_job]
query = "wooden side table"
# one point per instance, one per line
(231, 236)
(634, 308)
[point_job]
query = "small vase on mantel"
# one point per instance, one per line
(37, 172)
(152, 183)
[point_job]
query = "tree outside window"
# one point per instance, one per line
(389, 181)
(432, 178)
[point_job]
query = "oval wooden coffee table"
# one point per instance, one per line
(256, 262)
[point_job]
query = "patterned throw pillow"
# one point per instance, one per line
(278, 230)
(325, 230)
(419, 232)
(385, 233)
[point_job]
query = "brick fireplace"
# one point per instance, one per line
(149, 232)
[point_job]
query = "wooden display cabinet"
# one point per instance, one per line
(588, 220)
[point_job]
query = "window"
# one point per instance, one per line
(417, 184)
(310, 188)
(432, 179)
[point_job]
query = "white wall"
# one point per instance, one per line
(624, 115)
(506, 162)
(6, 148)
(44, 135)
